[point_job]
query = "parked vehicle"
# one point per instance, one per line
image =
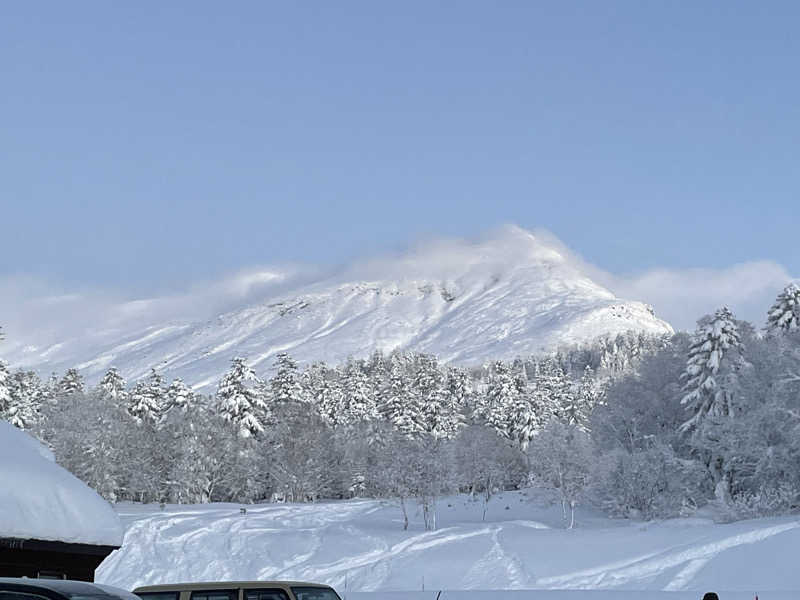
(13, 588)
(238, 590)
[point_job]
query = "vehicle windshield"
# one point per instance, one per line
(116, 592)
(314, 593)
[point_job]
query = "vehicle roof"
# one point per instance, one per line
(223, 585)
(60, 586)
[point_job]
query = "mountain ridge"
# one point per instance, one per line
(513, 293)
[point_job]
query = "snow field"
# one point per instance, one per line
(358, 546)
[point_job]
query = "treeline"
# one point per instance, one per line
(401, 426)
(644, 427)
(713, 418)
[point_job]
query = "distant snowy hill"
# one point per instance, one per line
(512, 294)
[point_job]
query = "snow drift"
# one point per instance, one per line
(359, 546)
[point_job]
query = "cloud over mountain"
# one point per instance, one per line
(510, 293)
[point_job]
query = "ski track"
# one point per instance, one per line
(357, 545)
(695, 558)
(501, 569)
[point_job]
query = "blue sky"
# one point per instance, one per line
(147, 145)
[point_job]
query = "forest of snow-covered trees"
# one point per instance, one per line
(644, 427)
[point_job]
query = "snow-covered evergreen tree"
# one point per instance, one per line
(178, 400)
(460, 387)
(397, 403)
(70, 383)
(715, 359)
(359, 402)
(285, 386)
(26, 399)
(525, 417)
(785, 313)
(322, 385)
(553, 390)
(590, 389)
(497, 405)
(438, 414)
(50, 390)
(112, 386)
(145, 402)
(715, 351)
(580, 403)
(5, 391)
(239, 399)
(378, 367)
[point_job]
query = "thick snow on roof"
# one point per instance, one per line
(40, 500)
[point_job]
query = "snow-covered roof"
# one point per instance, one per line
(40, 500)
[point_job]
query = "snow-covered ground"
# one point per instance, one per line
(359, 546)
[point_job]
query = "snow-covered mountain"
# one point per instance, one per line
(514, 293)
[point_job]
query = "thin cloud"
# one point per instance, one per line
(681, 296)
(36, 315)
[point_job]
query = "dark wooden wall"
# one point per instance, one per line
(40, 558)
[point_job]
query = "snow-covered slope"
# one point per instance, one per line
(40, 500)
(360, 546)
(512, 294)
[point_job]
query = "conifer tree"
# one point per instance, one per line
(5, 391)
(26, 399)
(178, 400)
(525, 418)
(460, 386)
(112, 386)
(581, 401)
(50, 390)
(715, 357)
(397, 403)
(785, 313)
(70, 383)
(715, 351)
(359, 402)
(145, 402)
(438, 415)
(240, 402)
(553, 391)
(324, 388)
(378, 367)
(285, 386)
(501, 396)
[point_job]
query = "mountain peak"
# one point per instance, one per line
(502, 250)
(510, 293)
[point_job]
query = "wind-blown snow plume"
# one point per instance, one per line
(511, 293)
